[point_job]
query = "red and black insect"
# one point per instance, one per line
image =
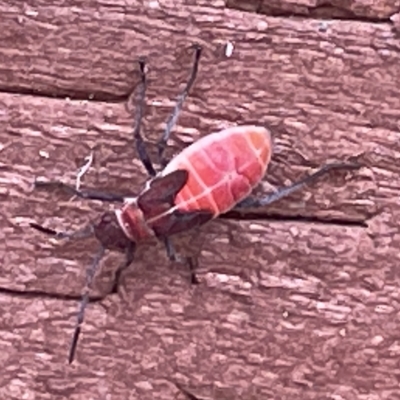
(214, 175)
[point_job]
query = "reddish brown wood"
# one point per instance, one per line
(286, 309)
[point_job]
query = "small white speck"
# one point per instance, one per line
(257, 227)
(43, 154)
(376, 340)
(262, 26)
(177, 308)
(222, 278)
(229, 49)
(21, 220)
(53, 241)
(384, 52)
(144, 385)
(338, 51)
(395, 17)
(395, 348)
(323, 26)
(40, 179)
(383, 309)
(43, 356)
(31, 13)
(236, 317)
(154, 4)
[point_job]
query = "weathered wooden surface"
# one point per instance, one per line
(286, 309)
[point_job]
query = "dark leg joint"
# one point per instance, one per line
(129, 257)
(174, 257)
(192, 268)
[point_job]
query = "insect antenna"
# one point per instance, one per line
(90, 229)
(43, 229)
(90, 273)
(137, 122)
(129, 257)
(162, 144)
(140, 93)
(86, 194)
(188, 395)
(83, 233)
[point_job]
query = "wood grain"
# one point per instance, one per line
(300, 301)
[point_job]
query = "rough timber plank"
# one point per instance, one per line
(304, 310)
(337, 82)
(56, 140)
(295, 291)
(91, 49)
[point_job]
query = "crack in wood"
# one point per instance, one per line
(36, 294)
(76, 95)
(257, 216)
(322, 11)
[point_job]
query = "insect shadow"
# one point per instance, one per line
(210, 177)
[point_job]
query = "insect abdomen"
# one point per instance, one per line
(223, 168)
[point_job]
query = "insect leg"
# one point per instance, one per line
(83, 233)
(140, 98)
(171, 253)
(90, 273)
(189, 396)
(192, 268)
(252, 202)
(175, 257)
(129, 257)
(87, 194)
(141, 148)
(162, 144)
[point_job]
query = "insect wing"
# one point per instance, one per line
(160, 196)
(180, 221)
